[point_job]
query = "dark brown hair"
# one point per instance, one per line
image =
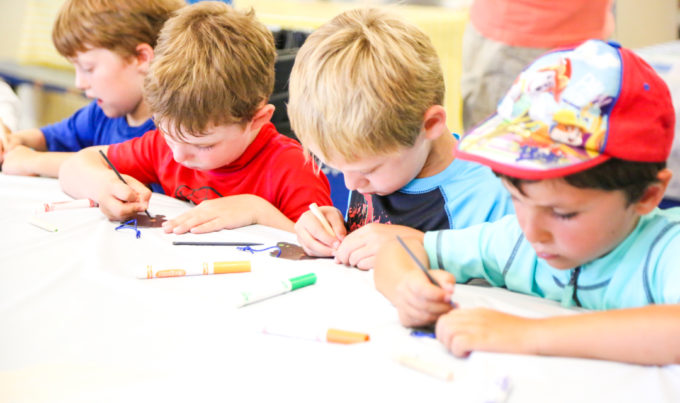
(630, 177)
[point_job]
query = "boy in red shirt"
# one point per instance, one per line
(208, 89)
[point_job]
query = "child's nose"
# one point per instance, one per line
(80, 82)
(534, 228)
(353, 181)
(180, 153)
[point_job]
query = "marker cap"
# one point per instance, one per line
(302, 281)
(238, 266)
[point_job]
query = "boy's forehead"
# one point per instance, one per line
(557, 192)
(355, 164)
(90, 53)
(210, 133)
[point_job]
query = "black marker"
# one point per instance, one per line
(216, 243)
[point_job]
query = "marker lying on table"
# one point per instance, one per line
(318, 334)
(40, 223)
(197, 270)
(428, 367)
(276, 288)
(70, 204)
(119, 176)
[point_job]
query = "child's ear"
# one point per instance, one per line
(434, 122)
(143, 56)
(262, 116)
(654, 193)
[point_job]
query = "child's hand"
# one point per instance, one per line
(465, 330)
(312, 236)
(420, 302)
(7, 143)
(118, 200)
(213, 215)
(18, 160)
(361, 246)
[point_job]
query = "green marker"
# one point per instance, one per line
(278, 288)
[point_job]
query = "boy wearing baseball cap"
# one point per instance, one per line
(580, 142)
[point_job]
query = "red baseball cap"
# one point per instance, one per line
(575, 108)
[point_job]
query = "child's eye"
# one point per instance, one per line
(205, 148)
(368, 171)
(564, 216)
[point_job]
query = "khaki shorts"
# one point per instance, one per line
(489, 69)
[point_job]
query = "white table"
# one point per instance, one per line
(76, 325)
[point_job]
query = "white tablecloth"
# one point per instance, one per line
(76, 325)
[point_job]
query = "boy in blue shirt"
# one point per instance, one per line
(111, 45)
(365, 97)
(580, 141)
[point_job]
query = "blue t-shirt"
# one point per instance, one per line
(464, 194)
(89, 126)
(641, 270)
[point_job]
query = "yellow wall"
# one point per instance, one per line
(645, 22)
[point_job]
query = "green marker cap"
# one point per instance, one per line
(302, 281)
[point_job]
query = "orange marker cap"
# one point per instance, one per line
(238, 266)
(346, 337)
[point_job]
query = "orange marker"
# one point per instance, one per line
(314, 333)
(204, 268)
(428, 367)
(63, 205)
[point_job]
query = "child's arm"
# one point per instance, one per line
(649, 335)
(86, 175)
(22, 160)
(312, 235)
(228, 213)
(32, 138)
(398, 278)
(361, 246)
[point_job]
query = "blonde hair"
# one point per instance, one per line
(213, 66)
(116, 25)
(361, 85)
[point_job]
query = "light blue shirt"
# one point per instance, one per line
(463, 194)
(643, 269)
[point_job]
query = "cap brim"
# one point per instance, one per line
(524, 149)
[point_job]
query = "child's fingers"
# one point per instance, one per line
(212, 225)
(365, 263)
(114, 209)
(143, 192)
(412, 317)
(432, 306)
(444, 278)
(362, 257)
(180, 224)
(350, 252)
(124, 192)
(312, 246)
(336, 221)
(425, 291)
(428, 298)
(311, 224)
(315, 241)
(452, 330)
